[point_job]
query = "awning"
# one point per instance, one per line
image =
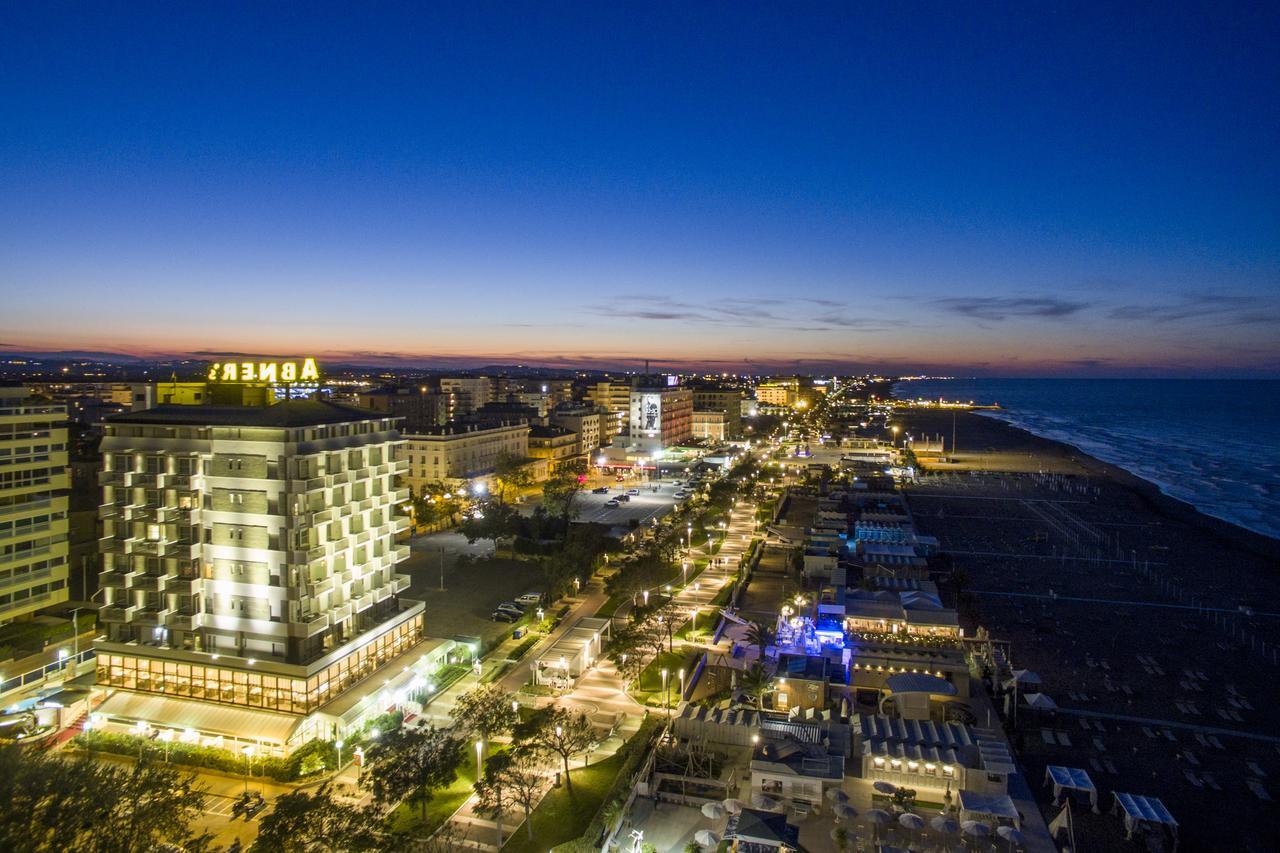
(1138, 809)
(203, 717)
(1070, 779)
(975, 805)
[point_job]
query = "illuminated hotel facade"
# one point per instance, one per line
(249, 557)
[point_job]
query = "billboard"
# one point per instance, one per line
(650, 414)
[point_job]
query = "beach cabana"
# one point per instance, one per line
(1144, 813)
(1071, 780)
(978, 806)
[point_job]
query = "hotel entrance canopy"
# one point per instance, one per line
(205, 718)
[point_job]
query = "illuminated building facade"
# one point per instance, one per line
(460, 451)
(661, 417)
(248, 553)
(33, 504)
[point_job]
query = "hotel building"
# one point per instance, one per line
(33, 504)
(249, 561)
(460, 451)
(661, 417)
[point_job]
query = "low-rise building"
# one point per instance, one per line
(581, 419)
(710, 425)
(418, 408)
(460, 451)
(556, 445)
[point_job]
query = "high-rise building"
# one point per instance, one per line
(418, 408)
(469, 392)
(725, 400)
(249, 554)
(33, 504)
(661, 417)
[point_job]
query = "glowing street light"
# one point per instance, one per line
(479, 756)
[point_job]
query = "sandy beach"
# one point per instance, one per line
(1128, 604)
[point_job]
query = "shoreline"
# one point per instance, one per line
(997, 440)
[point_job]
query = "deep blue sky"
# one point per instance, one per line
(981, 188)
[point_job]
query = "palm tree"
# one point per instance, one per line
(761, 636)
(755, 683)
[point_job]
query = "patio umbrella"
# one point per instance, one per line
(734, 806)
(911, 821)
(844, 811)
(1010, 834)
(706, 838)
(764, 801)
(836, 795)
(886, 788)
(878, 817)
(975, 829)
(944, 825)
(713, 810)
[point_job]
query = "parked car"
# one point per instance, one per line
(530, 599)
(613, 502)
(633, 491)
(503, 616)
(511, 607)
(602, 490)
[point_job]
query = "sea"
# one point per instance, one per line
(1212, 443)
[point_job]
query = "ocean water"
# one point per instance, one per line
(1212, 443)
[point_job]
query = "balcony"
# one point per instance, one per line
(112, 478)
(321, 586)
(152, 583)
(115, 613)
(337, 614)
(182, 620)
(400, 583)
(309, 625)
(399, 496)
(364, 602)
(182, 586)
(154, 617)
(114, 580)
(401, 553)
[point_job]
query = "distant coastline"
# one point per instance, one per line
(1228, 471)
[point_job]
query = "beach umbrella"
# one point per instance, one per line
(911, 821)
(1026, 678)
(975, 829)
(706, 838)
(836, 795)
(877, 817)
(844, 811)
(714, 810)
(1010, 834)
(733, 806)
(764, 801)
(886, 788)
(944, 825)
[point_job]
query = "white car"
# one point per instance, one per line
(530, 598)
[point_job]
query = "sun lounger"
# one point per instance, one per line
(1217, 744)
(1111, 767)
(1063, 739)
(1147, 731)
(1169, 736)
(1099, 745)
(1258, 791)
(1255, 769)
(1190, 757)
(1210, 781)
(1192, 778)
(1048, 737)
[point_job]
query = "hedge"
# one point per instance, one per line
(308, 760)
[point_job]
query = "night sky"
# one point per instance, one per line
(1004, 189)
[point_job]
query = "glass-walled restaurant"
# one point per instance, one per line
(253, 689)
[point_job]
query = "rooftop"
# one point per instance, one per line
(287, 413)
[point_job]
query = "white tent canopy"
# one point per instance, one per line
(976, 806)
(1040, 701)
(1026, 678)
(1140, 810)
(1071, 779)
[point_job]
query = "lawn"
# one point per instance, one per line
(648, 687)
(563, 816)
(407, 817)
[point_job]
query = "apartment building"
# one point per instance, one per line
(555, 444)
(709, 425)
(780, 393)
(460, 451)
(727, 401)
(469, 392)
(419, 408)
(34, 483)
(248, 558)
(582, 420)
(661, 417)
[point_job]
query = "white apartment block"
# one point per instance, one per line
(469, 392)
(33, 504)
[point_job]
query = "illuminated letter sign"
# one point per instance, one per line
(265, 371)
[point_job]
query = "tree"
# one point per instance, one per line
(512, 473)
(306, 822)
(485, 711)
(561, 731)
(492, 521)
(624, 650)
(424, 510)
(411, 764)
(517, 776)
(761, 636)
(54, 804)
(562, 487)
(755, 683)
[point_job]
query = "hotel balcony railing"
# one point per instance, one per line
(153, 616)
(181, 586)
(400, 583)
(321, 586)
(364, 602)
(153, 583)
(402, 553)
(115, 580)
(341, 478)
(400, 496)
(382, 593)
(111, 478)
(185, 620)
(339, 613)
(117, 613)
(309, 625)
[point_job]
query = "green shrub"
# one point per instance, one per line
(523, 649)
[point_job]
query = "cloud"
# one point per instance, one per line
(1218, 309)
(802, 314)
(1000, 308)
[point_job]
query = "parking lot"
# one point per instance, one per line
(647, 505)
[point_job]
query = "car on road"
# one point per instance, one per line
(613, 502)
(623, 498)
(530, 598)
(503, 616)
(602, 490)
(633, 491)
(681, 495)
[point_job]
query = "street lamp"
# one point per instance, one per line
(338, 744)
(666, 695)
(166, 737)
(681, 683)
(479, 757)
